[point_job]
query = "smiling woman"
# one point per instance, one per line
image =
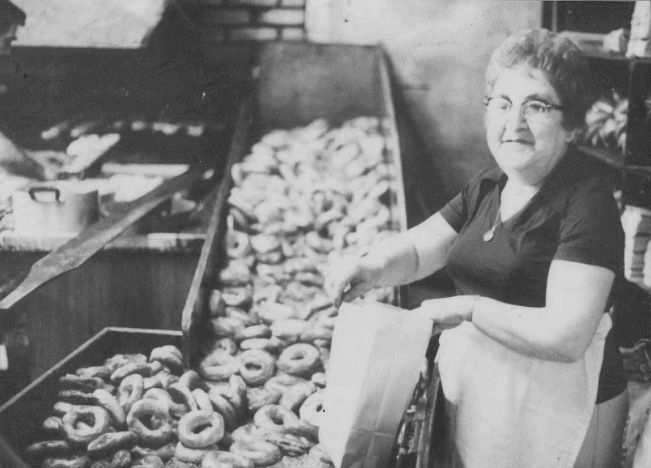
(528, 366)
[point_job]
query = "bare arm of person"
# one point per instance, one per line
(398, 260)
(561, 331)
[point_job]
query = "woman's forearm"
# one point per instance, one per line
(535, 332)
(395, 260)
(414, 254)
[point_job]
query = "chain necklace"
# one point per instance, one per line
(490, 234)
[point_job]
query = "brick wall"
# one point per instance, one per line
(231, 21)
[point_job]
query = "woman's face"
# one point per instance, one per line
(529, 147)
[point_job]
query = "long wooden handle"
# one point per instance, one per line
(78, 250)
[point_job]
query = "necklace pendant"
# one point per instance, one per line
(489, 235)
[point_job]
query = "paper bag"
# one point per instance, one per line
(376, 356)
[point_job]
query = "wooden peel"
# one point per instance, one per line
(78, 250)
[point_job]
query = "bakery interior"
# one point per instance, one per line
(160, 122)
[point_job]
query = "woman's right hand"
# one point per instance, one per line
(352, 277)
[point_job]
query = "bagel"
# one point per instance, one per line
(111, 442)
(300, 359)
(176, 409)
(221, 459)
(256, 367)
(311, 411)
(73, 461)
(119, 360)
(190, 379)
(192, 455)
(168, 355)
(319, 454)
(249, 431)
(150, 461)
(95, 423)
(226, 326)
(142, 369)
(304, 429)
(271, 312)
(236, 273)
(76, 397)
(261, 396)
(225, 344)
(253, 331)
(120, 459)
(164, 453)
(85, 384)
(150, 421)
(107, 401)
(200, 429)
(48, 448)
(202, 400)
(289, 444)
(289, 330)
(216, 306)
(295, 395)
(218, 365)
(282, 382)
(248, 319)
(225, 408)
(271, 345)
(101, 372)
(319, 379)
(130, 390)
(238, 244)
(239, 296)
(274, 418)
(260, 452)
(52, 425)
(181, 393)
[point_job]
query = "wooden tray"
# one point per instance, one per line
(21, 416)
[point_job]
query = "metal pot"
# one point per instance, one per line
(55, 207)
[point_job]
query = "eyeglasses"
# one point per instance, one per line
(531, 110)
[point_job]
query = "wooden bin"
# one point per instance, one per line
(299, 82)
(22, 415)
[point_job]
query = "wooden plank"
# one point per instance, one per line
(78, 250)
(300, 82)
(194, 311)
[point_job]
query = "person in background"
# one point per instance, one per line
(529, 369)
(16, 161)
(11, 17)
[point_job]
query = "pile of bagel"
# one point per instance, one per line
(134, 411)
(302, 198)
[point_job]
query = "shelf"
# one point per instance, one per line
(591, 45)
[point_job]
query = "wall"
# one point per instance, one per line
(74, 23)
(438, 49)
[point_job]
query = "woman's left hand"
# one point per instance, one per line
(447, 312)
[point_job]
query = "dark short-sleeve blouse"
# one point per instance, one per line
(573, 217)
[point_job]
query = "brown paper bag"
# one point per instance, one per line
(376, 356)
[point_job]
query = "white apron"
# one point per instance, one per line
(513, 411)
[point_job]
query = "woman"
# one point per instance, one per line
(533, 248)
